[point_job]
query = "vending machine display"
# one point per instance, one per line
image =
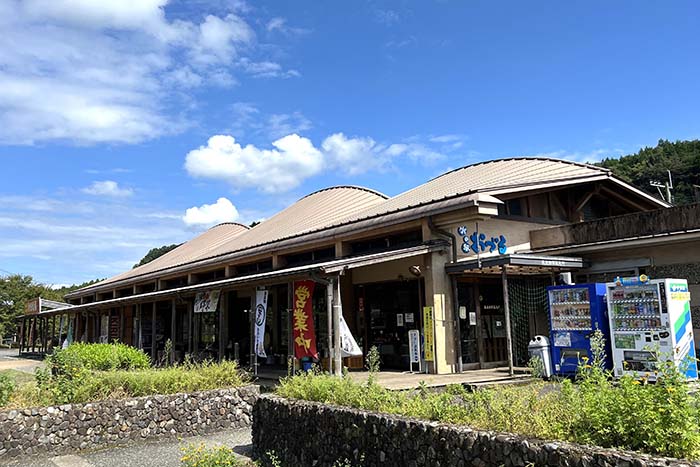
(575, 312)
(649, 320)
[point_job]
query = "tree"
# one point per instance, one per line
(154, 253)
(682, 158)
(16, 290)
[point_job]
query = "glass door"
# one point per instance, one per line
(469, 331)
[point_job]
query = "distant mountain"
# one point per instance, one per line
(682, 158)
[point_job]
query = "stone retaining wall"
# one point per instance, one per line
(302, 434)
(80, 426)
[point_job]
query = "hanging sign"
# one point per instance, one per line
(399, 320)
(303, 320)
(206, 302)
(428, 333)
(33, 306)
(348, 344)
(414, 345)
(260, 316)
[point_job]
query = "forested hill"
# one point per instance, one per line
(682, 158)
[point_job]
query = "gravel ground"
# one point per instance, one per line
(157, 453)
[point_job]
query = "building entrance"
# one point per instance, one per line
(391, 309)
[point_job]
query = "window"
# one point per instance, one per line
(388, 242)
(309, 257)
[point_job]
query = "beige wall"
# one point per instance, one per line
(517, 234)
(438, 294)
(386, 271)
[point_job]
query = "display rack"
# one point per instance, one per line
(570, 309)
(636, 308)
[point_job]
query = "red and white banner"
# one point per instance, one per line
(303, 320)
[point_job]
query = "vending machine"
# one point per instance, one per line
(575, 312)
(650, 320)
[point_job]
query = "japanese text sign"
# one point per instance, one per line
(303, 320)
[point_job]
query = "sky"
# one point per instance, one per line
(130, 124)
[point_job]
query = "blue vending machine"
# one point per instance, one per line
(575, 312)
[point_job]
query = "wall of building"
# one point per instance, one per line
(70, 427)
(389, 271)
(304, 434)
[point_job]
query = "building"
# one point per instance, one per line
(459, 258)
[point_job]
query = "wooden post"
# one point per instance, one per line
(122, 325)
(21, 334)
(190, 337)
(140, 330)
(329, 309)
(53, 330)
(173, 328)
(153, 332)
(290, 327)
(220, 324)
(337, 311)
(506, 309)
(253, 354)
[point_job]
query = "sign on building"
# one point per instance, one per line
(414, 348)
(206, 302)
(303, 320)
(260, 317)
(428, 333)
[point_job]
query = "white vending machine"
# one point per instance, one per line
(650, 319)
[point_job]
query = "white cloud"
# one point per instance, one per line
(111, 71)
(295, 158)
(292, 160)
(355, 155)
(108, 188)
(211, 214)
(83, 239)
(267, 69)
(279, 24)
(276, 23)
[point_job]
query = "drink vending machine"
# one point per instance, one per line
(650, 319)
(575, 312)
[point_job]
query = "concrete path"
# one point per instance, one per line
(10, 360)
(398, 380)
(164, 453)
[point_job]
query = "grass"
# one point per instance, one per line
(628, 413)
(82, 385)
(19, 377)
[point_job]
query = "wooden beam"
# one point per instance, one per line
(173, 329)
(506, 309)
(153, 332)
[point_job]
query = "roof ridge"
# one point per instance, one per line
(227, 223)
(354, 187)
(526, 158)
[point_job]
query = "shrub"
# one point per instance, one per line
(81, 385)
(102, 357)
(201, 456)
(7, 387)
(661, 418)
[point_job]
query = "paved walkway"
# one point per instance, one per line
(163, 453)
(10, 360)
(398, 380)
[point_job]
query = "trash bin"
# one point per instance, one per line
(539, 347)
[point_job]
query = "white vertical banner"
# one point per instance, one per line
(260, 316)
(348, 344)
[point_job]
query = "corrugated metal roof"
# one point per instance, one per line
(343, 205)
(188, 252)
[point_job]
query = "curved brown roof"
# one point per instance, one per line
(187, 252)
(341, 205)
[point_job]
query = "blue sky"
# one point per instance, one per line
(128, 126)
